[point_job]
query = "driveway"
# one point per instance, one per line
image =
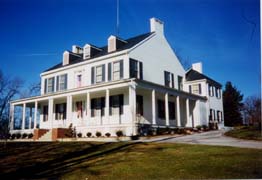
(210, 138)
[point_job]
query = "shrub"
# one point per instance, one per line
(98, 134)
(108, 134)
(24, 135)
(13, 136)
(89, 134)
(30, 135)
(79, 135)
(18, 135)
(199, 127)
(119, 133)
(205, 127)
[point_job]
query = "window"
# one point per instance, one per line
(79, 109)
(136, 69)
(171, 108)
(161, 109)
(98, 74)
(45, 113)
(79, 80)
(139, 105)
(196, 88)
(98, 107)
(61, 82)
(60, 111)
(116, 70)
(210, 90)
(218, 116)
(210, 114)
(116, 104)
(50, 85)
(218, 93)
(169, 79)
(180, 82)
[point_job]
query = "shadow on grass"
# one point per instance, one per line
(69, 162)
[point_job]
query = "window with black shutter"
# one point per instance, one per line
(109, 72)
(161, 109)
(45, 113)
(171, 108)
(116, 104)
(139, 105)
(169, 79)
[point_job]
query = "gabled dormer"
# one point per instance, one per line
(90, 51)
(115, 43)
(70, 57)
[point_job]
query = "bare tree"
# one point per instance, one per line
(33, 90)
(9, 88)
(252, 110)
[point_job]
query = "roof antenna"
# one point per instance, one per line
(117, 17)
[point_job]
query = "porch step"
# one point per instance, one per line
(46, 137)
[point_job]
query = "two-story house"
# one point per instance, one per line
(125, 85)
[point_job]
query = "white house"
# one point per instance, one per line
(125, 85)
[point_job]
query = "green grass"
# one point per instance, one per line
(245, 132)
(83, 160)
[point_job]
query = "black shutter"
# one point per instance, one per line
(64, 108)
(109, 71)
(57, 83)
(92, 75)
(172, 80)
(199, 89)
(56, 111)
(65, 88)
(93, 107)
(45, 85)
(103, 73)
(121, 103)
(110, 104)
(102, 106)
(166, 74)
(140, 70)
(190, 89)
(121, 69)
(53, 84)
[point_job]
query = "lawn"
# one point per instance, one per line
(83, 160)
(246, 132)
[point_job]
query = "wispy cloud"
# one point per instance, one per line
(36, 54)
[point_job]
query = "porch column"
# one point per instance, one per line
(68, 109)
(23, 117)
(11, 124)
(50, 111)
(189, 122)
(30, 118)
(88, 112)
(167, 109)
(107, 104)
(35, 116)
(153, 107)
(178, 111)
(132, 106)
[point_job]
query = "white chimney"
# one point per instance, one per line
(77, 49)
(156, 26)
(197, 67)
(65, 58)
(111, 42)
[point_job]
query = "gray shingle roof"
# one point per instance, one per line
(130, 43)
(193, 75)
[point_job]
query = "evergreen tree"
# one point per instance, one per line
(232, 103)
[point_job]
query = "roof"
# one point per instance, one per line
(193, 75)
(130, 43)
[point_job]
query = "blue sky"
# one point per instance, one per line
(223, 34)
